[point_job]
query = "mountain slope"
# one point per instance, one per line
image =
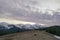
(54, 30)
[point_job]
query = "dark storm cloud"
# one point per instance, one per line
(25, 10)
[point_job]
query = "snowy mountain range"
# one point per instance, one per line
(21, 26)
(6, 28)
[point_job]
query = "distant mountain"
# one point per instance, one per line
(6, 28)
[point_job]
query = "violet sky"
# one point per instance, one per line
(45, 12)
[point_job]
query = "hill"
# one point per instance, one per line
(54, 30)
(29, 35)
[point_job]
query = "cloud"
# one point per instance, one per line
(29, 10)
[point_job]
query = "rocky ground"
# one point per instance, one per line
(29, 35)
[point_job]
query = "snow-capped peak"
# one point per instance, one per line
(21, 26)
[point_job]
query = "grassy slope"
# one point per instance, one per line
(28, 35)
(55, 30)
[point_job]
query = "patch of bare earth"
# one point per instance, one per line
(29, 35)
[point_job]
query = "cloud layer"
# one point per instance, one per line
(37, 11)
